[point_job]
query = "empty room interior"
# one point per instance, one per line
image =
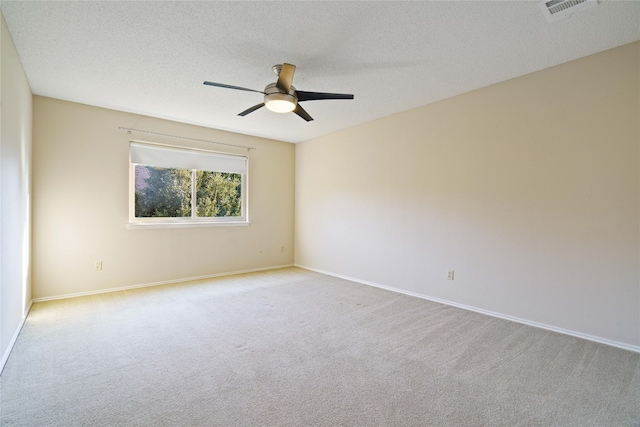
(432, 219)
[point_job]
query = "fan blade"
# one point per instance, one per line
(232, 87)
(302, 113)
(251, 110)
(285, 78)
(312, 96)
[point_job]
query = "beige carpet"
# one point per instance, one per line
(294, 348)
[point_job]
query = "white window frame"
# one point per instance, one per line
(193, 221)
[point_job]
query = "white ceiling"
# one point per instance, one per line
(152, 57)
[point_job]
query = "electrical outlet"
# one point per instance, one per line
(97, 265)
(281, 248)
(450, 275)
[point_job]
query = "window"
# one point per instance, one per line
(178, 186)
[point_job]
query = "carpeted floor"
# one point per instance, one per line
(295, 348)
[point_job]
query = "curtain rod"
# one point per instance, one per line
(186, 138)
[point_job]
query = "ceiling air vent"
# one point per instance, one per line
(558, 9)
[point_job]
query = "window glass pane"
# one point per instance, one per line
(218, 194)
(162, 192)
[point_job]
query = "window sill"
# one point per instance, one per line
(147, 225)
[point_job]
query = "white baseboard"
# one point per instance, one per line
(624, 346)
(166, 282)
(6, 354)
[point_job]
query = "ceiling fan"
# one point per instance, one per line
(281, 96)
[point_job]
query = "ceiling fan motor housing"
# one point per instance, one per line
(277, 100)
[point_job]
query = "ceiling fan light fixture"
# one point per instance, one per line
(280, 102)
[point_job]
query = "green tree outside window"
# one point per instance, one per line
(166, 192)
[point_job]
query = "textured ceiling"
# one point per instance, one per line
(152, 57)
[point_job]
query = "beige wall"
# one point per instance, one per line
(80, 187)
(528, 189)
(15, 193)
